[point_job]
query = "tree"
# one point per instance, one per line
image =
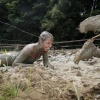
(62, 19)
(3, 17)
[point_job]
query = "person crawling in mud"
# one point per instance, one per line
(30, 53)
(88, 51)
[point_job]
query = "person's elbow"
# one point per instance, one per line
(15, 64)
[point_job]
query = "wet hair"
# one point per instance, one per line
(45, 35)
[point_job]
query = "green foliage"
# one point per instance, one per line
(47, 25)
(29, 79)
(56, 14)
(8, 91)
(61, 17)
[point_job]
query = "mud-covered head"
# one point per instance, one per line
(46, 40)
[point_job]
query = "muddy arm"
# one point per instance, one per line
(45, 59)
(20, 59)
(22, 65)
(86, 52)
(46, 62)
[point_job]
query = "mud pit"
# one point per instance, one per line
(67, 81)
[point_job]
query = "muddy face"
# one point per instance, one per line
(47, 44)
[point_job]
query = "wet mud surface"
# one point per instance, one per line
(67, 81)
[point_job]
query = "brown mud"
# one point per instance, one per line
(67, 81)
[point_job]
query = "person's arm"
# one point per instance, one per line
(20, 59)
(46, 62)
(87, 52)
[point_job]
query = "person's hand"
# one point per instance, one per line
(49, 65)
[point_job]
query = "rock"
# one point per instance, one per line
(78, 73)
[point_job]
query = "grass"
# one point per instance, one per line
(8, 91)
(76, 91)
(29, 79)
(6, 66)
(6, 63)
(72, 86)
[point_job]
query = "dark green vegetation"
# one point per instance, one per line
(60, 17)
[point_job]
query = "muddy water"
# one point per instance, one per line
(67, 81)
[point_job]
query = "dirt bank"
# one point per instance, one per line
(67, 81)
